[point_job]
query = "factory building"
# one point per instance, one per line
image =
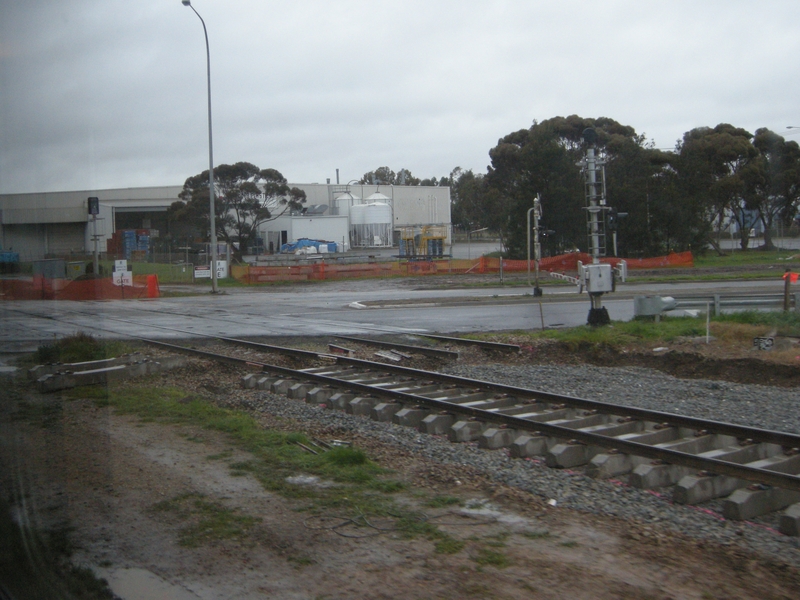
(37, 225)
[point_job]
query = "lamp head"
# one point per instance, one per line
(187, 2)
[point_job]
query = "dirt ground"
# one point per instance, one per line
(106, 475)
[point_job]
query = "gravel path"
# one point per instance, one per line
(773, 408)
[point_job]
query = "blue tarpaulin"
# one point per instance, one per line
(306, 243)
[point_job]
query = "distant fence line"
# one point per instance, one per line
(39, 288)
(332, 270)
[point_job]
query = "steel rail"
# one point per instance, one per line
(483, 344)
(418, 349)
(787, 440)
(711, 465)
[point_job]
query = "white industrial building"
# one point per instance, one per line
(57, 223)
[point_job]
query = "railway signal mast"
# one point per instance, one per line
(597, 278)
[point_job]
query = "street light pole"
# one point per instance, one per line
(212, 212)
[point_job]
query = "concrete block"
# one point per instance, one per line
(465, 431)
(319, 395)
(91, 365)
(410, 417)
(529, 445)
(249, 381)
(281, 386)
(340, 400)
(438, 424)
(565, 456)
(384, 411)
(362, 405)
(126, 372)
(299, 390)
(605, 466)
(152, 367)
(654, 475)
(8, 371)
(61, 381)
(694, 489)
(496, 437)
(790, 521)
(39, 371)
(746, 504)
(265, 383)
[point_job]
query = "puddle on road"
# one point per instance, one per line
(141, 584)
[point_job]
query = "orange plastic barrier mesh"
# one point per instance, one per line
(62, 289)
(320, 271)
(146, 286)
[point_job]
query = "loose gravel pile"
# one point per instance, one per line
(655, 515)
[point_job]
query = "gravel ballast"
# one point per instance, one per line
(762, 406)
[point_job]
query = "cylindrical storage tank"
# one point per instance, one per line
(343, 202)
(379, 198)
(371, 224)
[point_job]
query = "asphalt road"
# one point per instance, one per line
(346, 308)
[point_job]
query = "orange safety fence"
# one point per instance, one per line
(146, 286)
(39, 288)
(328, 270)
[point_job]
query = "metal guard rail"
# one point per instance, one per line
(717, 302)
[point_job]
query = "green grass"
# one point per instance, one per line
(359, 486)
(79, 347)
(486, 556)
(204, 521)
(443, 501)
(537, 535)
(737, 258)
(449, 545)
(784, 323)
(619, 333)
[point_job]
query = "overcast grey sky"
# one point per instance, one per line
(111, 93)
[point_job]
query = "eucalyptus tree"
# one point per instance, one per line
(246, 197)
(773, 181)
(544, 159)
(713, 166)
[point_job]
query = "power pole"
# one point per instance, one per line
(597, 277)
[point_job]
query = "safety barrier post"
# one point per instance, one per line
(152, 287)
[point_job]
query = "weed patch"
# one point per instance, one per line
(443, 501)
(493, 558)
(205, 521)
(536, 535)
(80, 347)
(360, 485)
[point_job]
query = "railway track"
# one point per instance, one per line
(751, 471)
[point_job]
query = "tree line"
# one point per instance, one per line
(674, 200)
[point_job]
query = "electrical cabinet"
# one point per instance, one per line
(599, 278)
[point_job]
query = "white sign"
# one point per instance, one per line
(202, 271)
(120, 265)
(122, 278)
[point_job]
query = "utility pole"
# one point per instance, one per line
(597, 277)
(536, 209)
(94, 209)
